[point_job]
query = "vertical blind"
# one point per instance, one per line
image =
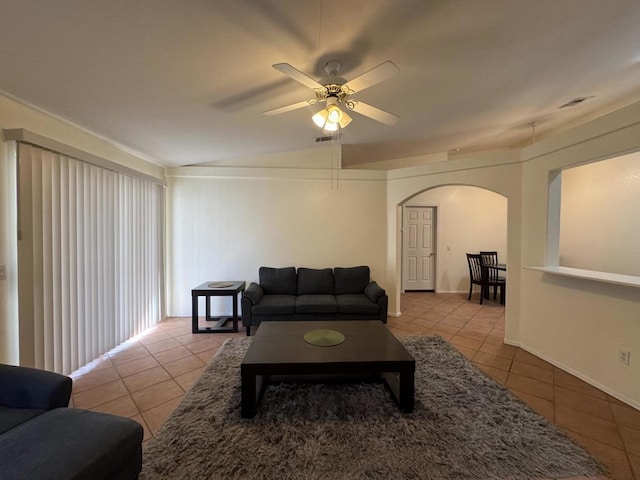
(90, 258)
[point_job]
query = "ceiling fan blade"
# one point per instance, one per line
(288, 108)
(377, 74)
(297, 75)
(373, 112)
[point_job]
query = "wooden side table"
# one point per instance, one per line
(215, 289)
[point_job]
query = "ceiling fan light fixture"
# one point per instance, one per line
(331, 116)
(320, 118)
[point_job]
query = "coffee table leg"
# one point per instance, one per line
(251, 387)
(407, 390)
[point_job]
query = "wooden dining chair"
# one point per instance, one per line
(479, 274)
(475, 274)
(491, 258)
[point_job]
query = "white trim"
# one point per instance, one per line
(605, 277)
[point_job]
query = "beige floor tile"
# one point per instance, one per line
(422, 322)
(499, 350)
(440, 333)
(204, 345)
(142, 380)
(95, 378)
(163, 345)
(583, 403)
(526, 370)
(589, 426)
(154, 337)
(156, 395)
(498, 375)
(186, 380)
(613, 458)
(492, 361)
(631, 439)
(440, 327)
(523, 356)
(469, 343)
(634, 460)
(467, 352)
(135, 366)
(531, 386)
(208, 355)
(101, 394)
(123, 406)
(568, 381)
(156, 416)
(172, 355)
(131, 353)
(184, 365)
(626, 415)
(481, 337)
(539, 405)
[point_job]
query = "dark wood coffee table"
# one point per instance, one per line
(279, 349)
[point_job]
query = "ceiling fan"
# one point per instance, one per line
(338, 91)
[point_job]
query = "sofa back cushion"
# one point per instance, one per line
(278, 281)
(313, 281)
(351, 279)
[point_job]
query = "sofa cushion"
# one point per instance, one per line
(351, 279)
(313, 281)
(254, 293)
(11, 417)
(373, 291)
(316, 304)
(355, 303)
(71, 443)
(278, 281)
(275, 305)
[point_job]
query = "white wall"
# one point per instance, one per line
(579, 324)
(469, 220)
(222, 227)
(599, 226)
(15, 115)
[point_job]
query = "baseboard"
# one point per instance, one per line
(594, 383)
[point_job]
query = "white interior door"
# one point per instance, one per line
(418, 253)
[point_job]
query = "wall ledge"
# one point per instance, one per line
(605, 277)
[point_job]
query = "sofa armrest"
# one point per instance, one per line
(24, 387)
(254, 293)
(373, 291)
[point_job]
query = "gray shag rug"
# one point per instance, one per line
(465, 426)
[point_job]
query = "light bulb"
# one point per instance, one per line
(334, 115)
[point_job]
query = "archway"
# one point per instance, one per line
(468, 219)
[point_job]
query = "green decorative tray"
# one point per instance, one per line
(324, 338)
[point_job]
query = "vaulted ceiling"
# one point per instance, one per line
(186, 82)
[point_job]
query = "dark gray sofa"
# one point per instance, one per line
(313, 294)
(40, 438)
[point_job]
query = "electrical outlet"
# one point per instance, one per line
(624, 357)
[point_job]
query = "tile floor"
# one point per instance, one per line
(147, 377)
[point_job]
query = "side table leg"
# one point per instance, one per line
(194, 313)
(235, 313)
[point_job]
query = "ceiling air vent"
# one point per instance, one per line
(575, 101)
(327, 138)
